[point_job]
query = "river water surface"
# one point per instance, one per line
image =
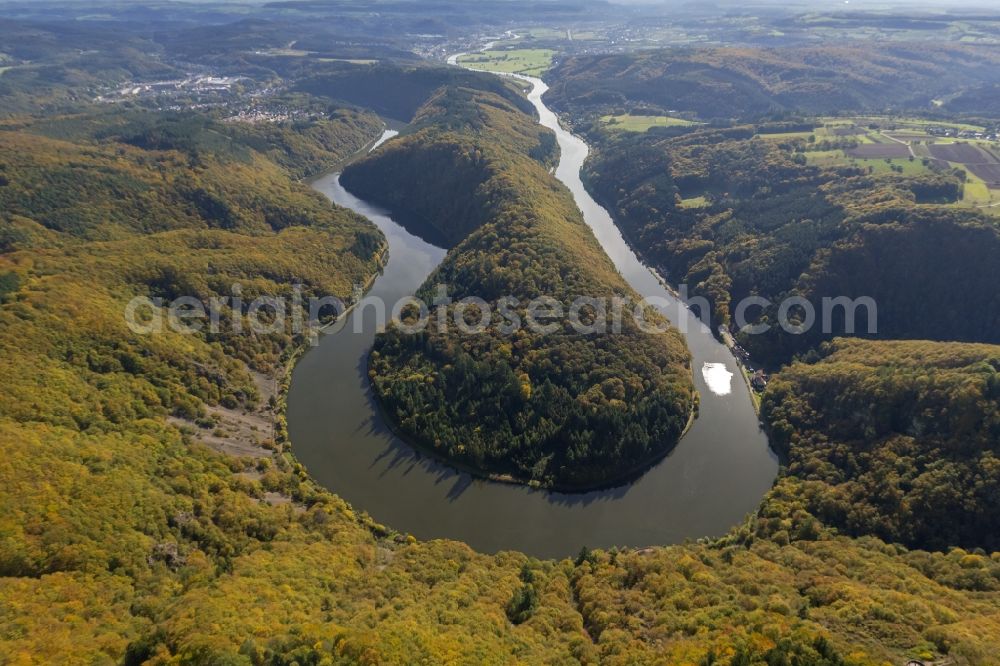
(715, 476)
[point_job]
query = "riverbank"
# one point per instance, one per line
(730, 342)
(338, 166)
(619, 480)
(721, 333)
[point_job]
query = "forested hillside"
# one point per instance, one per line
(735, 83)
(566, 409)
(399, 91)
(85, 227)
(768, 224)
(163, 172)
(449, 162)
(896, 439)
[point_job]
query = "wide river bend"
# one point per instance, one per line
(714, 477)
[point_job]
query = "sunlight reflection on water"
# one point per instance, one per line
(719, 380)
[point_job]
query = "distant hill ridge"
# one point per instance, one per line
(745, 83)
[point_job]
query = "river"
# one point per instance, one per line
(714, 477)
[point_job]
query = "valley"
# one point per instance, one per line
(720, 468)
(314, 352)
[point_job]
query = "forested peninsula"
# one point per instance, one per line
(559, 409)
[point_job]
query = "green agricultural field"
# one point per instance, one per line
(515, 61)
(976, 192)
(885, 122)
(909, 167)
(826, 157)
(785, 136)
(630, 123)
(920, 123)
(973, 142)
(694, 202)
(832, 158)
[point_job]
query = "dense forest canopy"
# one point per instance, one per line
(897, 439)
